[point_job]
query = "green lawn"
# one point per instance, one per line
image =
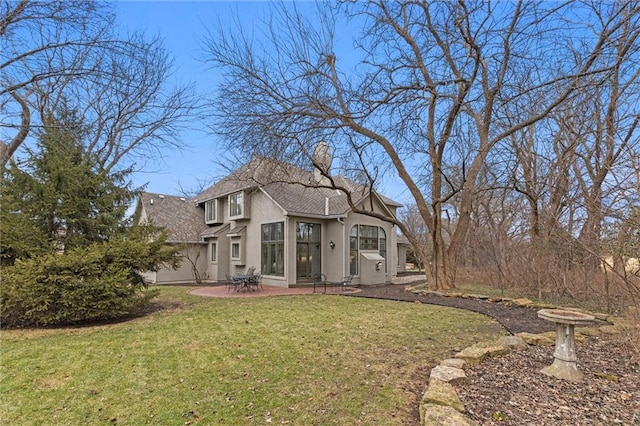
(299, 360)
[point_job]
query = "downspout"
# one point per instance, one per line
(344, 258)
(286, 251)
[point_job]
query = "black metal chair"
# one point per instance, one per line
(233, 283)
(320, 281)
(340, 285)
(255, 281)
(346, 282)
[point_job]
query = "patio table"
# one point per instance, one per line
(246, 281)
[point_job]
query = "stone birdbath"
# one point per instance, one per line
(565, 363)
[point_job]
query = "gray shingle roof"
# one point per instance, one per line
(215, 231)
(257, 172)
(180, 216)
(291, 187)
(236, 231)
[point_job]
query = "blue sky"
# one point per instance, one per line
(182, 25)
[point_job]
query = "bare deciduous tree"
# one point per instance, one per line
(414, 225)
(429, 91)
(66, 52)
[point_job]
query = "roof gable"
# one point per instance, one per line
(258, 172)
(181, 217)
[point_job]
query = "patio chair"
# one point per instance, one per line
(346, 281)
(233, 283)
(320, 281)
(251, 270)
(256, 281)
(340, 285)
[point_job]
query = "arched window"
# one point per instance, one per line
(367, 238)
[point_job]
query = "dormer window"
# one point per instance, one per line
(236, 205)
(212, 212)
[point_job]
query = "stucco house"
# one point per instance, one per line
(283, 221)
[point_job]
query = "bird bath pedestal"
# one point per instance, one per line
(564, 365)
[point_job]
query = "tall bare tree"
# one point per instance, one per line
(415, 226)
(65, 55)
(429, 87)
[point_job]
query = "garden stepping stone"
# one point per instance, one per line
(441, 393)
(522, 302)
(448, 374)
(611, 329)
(537, 339)
(512, 342)
(453, 362)
(588, 331)
(477, 353)
(438, 415)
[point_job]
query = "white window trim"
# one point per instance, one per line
(208, 206)
(265, 271)
(239, 257)
(360, 250)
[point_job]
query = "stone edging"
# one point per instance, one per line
(441, 404)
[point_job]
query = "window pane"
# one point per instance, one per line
(368, 237)
(368, 231)
(315, 232)
(279, 259)
(353, 243)
(211, 210)
(272, 259)
(301, 231)
(273, 248)
(278, 231)
(308, 232)
(353, 262)
(235, 204)
(383, 248)
(368, 243)
(265, 259)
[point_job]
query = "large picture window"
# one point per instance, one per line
(308, 249)
(365, 237)
(272, 241)
(236, 204)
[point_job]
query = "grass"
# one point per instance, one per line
(299, 360)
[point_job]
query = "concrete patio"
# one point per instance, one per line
(265, 290)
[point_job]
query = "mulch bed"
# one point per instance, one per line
(511, 390)
(512, 317)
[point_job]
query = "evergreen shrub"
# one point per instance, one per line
(96, 283)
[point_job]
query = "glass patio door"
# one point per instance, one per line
(308, 247)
